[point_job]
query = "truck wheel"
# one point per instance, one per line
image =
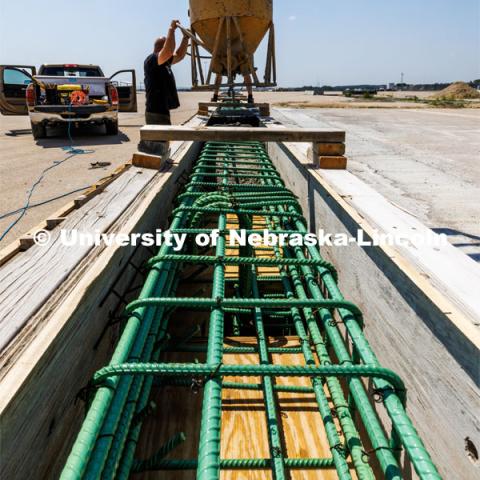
(39, 131)
(112, 128)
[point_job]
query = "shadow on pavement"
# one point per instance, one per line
(82, 137)
(462, 243)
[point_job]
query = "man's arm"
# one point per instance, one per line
(181, 51)
(166, 53)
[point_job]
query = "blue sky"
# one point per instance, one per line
(318, 41)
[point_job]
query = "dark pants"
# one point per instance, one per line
(157, 119)
(155, 148)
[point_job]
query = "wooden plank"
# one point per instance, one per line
(205, 105)
(51, 264)
(244, 429)
(36, 273)
(68, 326)
(261, 134)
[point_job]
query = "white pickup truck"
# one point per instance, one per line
(63, 93)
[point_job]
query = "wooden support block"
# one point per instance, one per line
(331, 162)
(203, 108)
(81, 201)
(264, 109)
(146, 160)
(15, 247)
(329, 149)
(53, 222)
(26, 242)
(328, 155)
(162, 133)
(89, 194)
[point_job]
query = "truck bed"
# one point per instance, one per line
(96, 84)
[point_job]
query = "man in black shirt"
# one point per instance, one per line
(160, 86)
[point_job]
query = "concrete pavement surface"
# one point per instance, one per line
(426, 161)
(22, 159)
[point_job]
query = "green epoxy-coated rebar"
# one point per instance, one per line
(209, 446)
(210, 260)
(232, 186)
(216, 369)
(351, 434)
(251, 303)
(417, 452)
(248, 464)
(274, 436)
(386, 458)
(147, 465)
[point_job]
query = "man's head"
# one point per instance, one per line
(159, 43)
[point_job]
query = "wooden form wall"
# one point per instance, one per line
(40, 413)
(415, 327)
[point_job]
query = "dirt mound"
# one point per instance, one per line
(457, 91)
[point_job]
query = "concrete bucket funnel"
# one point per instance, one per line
(231, 31)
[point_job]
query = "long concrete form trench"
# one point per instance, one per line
(235, 361)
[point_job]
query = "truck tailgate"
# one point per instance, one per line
(74, 109)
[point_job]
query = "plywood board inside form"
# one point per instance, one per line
(244, 429)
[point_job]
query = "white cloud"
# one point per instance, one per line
(292, 18)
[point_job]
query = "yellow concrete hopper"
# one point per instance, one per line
(235, 26)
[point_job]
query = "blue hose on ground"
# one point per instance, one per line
(72, 151)
(44, 202)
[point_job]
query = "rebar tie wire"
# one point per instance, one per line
(236, 182)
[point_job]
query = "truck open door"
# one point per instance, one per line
(14, 80)
(127, 93)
